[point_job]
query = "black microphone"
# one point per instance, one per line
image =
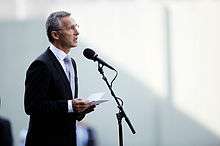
(90, 54)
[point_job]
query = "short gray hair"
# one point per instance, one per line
(53, 22)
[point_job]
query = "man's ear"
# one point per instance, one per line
(55, 35)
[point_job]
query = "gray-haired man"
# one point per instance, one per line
(51, 88)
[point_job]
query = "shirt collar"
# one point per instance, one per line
(57, 52)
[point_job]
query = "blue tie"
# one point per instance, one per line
(69, 72)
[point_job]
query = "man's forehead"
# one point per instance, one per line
(68, 20)
(73, 21)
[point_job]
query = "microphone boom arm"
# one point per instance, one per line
(121, 114)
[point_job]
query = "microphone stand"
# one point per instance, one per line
(121, 114)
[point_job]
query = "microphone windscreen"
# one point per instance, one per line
(89, 53)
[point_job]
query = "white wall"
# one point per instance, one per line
(195, 60)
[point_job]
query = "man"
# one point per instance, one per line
(6, 138)
(5, 132)
(51, 88)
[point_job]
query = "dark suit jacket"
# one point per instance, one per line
(5, 133)
(47, 90)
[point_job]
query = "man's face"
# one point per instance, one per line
(68, 33)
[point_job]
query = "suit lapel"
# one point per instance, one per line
(75, 78)
(59, 71)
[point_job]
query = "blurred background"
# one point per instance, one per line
(166, 52)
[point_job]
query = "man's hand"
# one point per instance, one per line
(83, 106)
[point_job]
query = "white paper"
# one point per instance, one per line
(96, 98)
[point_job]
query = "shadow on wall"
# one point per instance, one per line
(156, 120)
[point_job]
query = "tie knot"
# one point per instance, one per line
(67, 59)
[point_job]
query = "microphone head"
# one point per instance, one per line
(89, 53)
